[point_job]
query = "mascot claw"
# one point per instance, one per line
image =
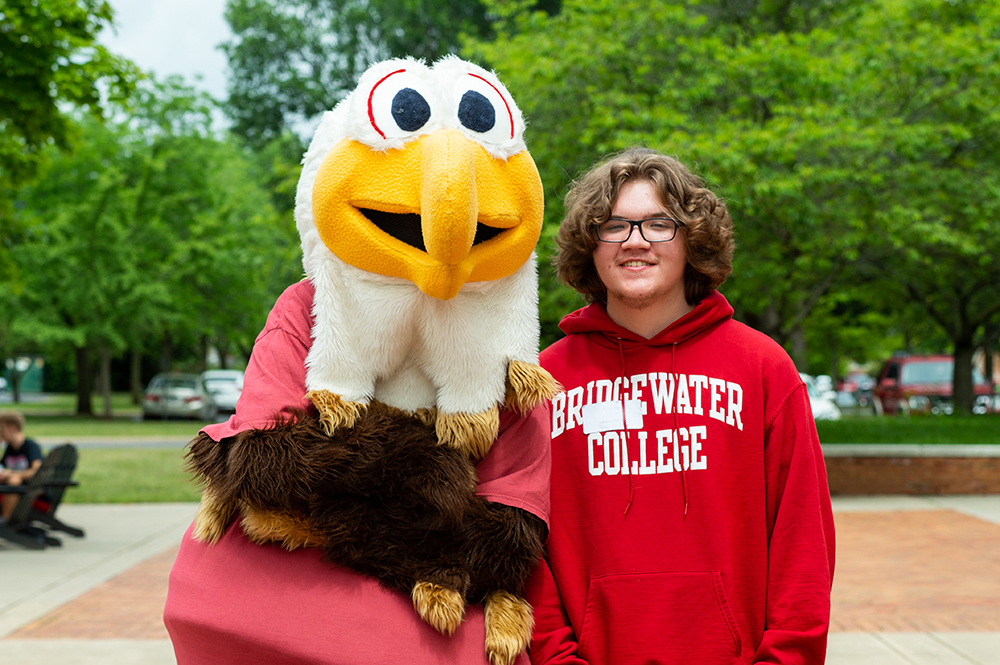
(528, 386)
(441, 607)
(509, 621)
(335, 412)
(470, 433)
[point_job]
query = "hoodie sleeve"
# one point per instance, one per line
(801, 538)
(553, 641)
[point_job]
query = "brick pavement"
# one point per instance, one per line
(129, 606)
(919, 571)
(897, 571)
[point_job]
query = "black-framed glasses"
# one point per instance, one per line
(653, 229)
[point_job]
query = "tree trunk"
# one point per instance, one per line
(204, 353)
(223, 347)
(135, 376)
(961, 381)
(104, 382)
(834, 360)
(15, 381)
(770, 324)
(83, 381)
(166, 353)
(800, 355)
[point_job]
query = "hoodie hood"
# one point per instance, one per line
(594, 320)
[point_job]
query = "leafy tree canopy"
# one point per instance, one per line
(293, 59)
(154, 235)
(843, 135)
(48, 58)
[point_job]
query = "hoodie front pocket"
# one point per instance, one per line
(668, 618)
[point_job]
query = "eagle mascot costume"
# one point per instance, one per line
(381, 493)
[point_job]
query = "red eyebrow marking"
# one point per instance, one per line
(371, 113)
(510, 115)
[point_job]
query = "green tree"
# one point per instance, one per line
(154, 234)
(749, 111)
(49, 59)
(933, 87)
(844, 136)
(73, 255)
(294, 59)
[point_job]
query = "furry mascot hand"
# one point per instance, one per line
(419, 209)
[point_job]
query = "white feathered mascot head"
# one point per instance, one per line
(419, 208)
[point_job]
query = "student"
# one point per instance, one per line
(21, 459)
(690, 514)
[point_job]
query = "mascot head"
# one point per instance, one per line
(421, 174)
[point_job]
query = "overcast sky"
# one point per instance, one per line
(173, 37)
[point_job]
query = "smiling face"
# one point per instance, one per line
(645, 281)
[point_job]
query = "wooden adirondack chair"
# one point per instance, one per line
(43, 509)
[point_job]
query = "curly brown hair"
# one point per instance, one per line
(708, 228)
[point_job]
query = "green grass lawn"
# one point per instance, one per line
(114, 475)
(132, 475)
(65, 428)
(142, 475)
(64, 404)
(912, 429)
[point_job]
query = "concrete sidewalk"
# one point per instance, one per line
(117, 441)
(35, 584)
(917, 583)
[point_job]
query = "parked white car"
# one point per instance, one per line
(823, 407)
(174, 395)
(225, 385)
(824, 383)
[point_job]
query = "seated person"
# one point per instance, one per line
(21, 458)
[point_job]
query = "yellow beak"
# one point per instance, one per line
(439, 212)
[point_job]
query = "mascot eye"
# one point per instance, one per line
(410, 110)
(476, 112)
(484, 110)
(396, 105)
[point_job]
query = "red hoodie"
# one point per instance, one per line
(702, 534)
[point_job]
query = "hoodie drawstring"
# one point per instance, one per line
(682, 469)
(621, 394)
(684, 485)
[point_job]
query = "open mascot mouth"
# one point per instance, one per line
(406, 228)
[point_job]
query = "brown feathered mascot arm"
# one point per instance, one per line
(383, 497)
